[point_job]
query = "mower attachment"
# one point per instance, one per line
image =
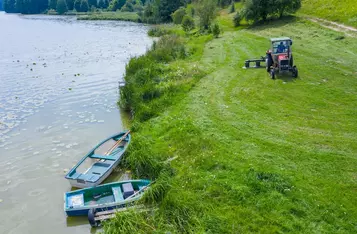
(256, 61)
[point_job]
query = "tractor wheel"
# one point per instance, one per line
(292, 61)
(295, 72)
(268, 62)
(272, 74)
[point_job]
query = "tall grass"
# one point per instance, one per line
(151, 83)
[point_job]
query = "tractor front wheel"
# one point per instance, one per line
(272, 74)
(295, 72)
(268, 62)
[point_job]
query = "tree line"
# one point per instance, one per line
(158, 11)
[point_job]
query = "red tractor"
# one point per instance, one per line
(278, 59)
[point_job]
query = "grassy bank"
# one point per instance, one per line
(237, 152)
(123, 16)
(333, 10)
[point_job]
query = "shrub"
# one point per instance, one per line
(216, 30)
(237, 18)
(157, 31)
(187, 23)
(178, 15)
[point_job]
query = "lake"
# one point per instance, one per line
(58, 91)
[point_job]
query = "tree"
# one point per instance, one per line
(106, 3)
(258, 9)
(187, 23)
(178, 15)
(77, 5)
(61, 7)
(116, 5)
(52, 4)
(70, 4)
(128, 6)
(166, 8)
(19, 6)
(206, 10)
(101, 4)
(233, 8)
(84, 6)
(287, 6)
(9, 6)
(92, 3)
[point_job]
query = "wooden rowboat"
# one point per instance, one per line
(97, 165)
(104, 197)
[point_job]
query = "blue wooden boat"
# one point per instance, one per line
(97, 165)
(104, 197)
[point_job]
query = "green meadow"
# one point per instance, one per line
(335, 10)
(233, 151)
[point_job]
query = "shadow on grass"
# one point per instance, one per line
(286, 77)
(271, 23)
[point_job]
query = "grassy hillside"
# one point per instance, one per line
(335, 10)
(255, 155)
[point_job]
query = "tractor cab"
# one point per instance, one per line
(281, 45)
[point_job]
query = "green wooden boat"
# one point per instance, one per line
(104, 197)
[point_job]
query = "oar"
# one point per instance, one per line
(116, 144)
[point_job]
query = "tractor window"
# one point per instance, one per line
(281, 47)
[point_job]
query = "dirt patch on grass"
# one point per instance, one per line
(348, 30)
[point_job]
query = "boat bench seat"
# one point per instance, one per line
(88, 177)
(128, 190)
(96, 156)
(118, 195)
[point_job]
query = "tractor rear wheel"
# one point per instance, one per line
(291, 61)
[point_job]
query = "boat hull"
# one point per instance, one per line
(84, 211)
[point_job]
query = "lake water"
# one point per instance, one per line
(58, 92)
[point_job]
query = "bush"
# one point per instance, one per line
(205, 10)
(188, 23)
(237, 18)
(216, 30)
(178, 15)
(157, 31)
